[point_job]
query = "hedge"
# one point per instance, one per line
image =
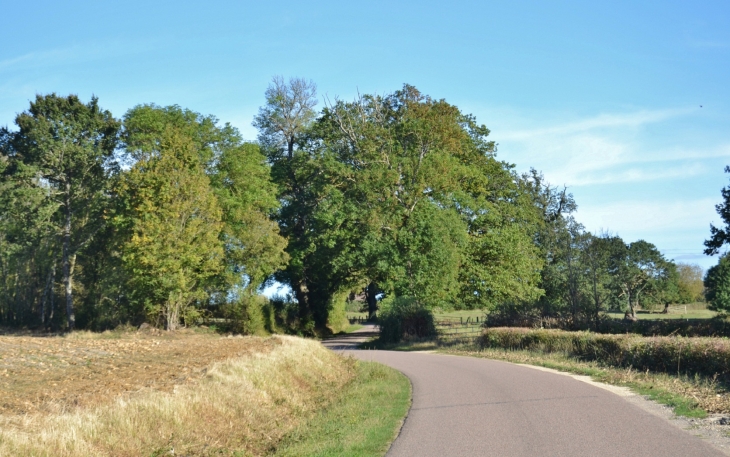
(667, 354)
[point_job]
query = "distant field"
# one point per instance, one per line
(690, 311)
(696, 314)
(471, 313)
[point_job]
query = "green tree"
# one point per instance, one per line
(241, 181)
(174, 223)
(717, 285)
(635, 267)
(596, 254)
(402, 195)
(70, 145)
(691, 287)
(720, 236)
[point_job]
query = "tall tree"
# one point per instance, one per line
(691, 288)
(71, 147)
(240, 179)
(286, 116)
(283, 123)
(175, 222)
(404, 196)
(717, 285)
(720, 236)
(596, 254)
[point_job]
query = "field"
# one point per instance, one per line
(191, 393)
(471, 314)
(59, 374)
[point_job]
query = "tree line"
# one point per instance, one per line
(168, 216)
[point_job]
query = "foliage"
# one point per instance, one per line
(703, 356)
(175, 221)
(61, 157)
(247, 315)
(690, 284)
(400, 195)
(405, 318)
(720, 236)
(717, 285)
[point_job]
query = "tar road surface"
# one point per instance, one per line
(465, 406)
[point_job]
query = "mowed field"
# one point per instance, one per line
(153, 393)
(59, 374)
(690, 311)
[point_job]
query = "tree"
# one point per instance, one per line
(634, 267)
(717, 285)
(595, 258)
(401, 194)
(286, 116)
(174, 221)
(720, 236)
(691, 287)
(240, 179)
(70, 145)
(283, 123)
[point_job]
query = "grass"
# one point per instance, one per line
(270, 390)
(690, 314)
(470, 313)
(362, 423)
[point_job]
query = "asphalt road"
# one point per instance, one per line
(465, 406)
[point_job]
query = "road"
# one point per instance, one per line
(466, 406)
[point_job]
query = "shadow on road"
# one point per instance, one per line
(352, 340)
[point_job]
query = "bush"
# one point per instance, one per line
(405, 318)
(246, 315)
(337, 315)
(693, 356)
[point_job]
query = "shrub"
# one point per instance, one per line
(667, 354)
(245, 315)
(337, 315)
(405, 318)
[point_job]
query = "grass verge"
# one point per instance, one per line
(246, 405)
(362, 423)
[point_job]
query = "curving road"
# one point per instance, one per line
(465, 406)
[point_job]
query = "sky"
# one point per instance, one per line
(626, 104)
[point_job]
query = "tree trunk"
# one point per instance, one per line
(67, 263)
(371, 292)
(290, 147)
(597, 302)
(631, 312)
(301, 294)
(46, 291)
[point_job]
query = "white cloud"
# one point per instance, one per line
(649, 217)
(605, 149)
(601, 121)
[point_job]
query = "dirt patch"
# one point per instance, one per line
(59, 374)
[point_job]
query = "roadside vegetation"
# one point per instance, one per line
(165, 394)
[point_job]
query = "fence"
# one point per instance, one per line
(457, 330)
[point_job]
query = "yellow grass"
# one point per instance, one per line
(242, 406)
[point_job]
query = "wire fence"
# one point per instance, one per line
(457, 330)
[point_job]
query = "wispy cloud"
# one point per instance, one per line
(602, 121)
(607, 148)
(637, 216)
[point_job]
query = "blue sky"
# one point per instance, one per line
(602, 98)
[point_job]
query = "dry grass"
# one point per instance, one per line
(240, 406)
